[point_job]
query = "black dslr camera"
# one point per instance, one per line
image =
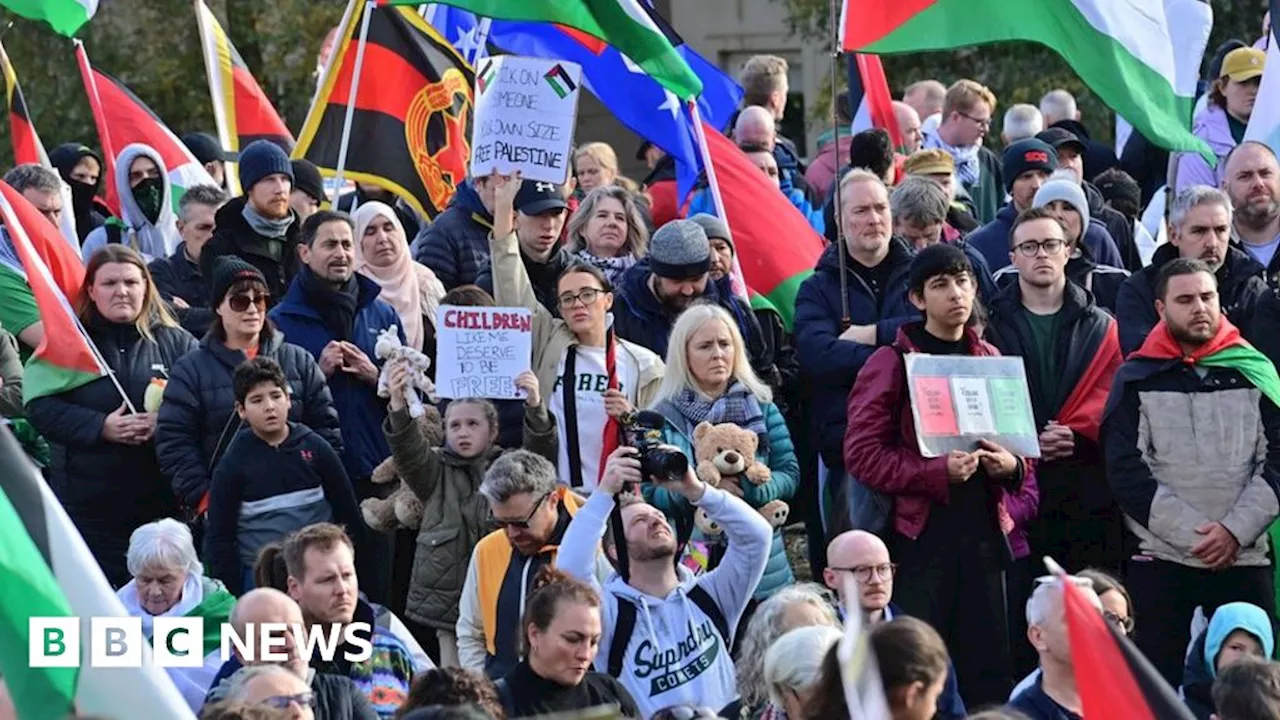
(643, 431)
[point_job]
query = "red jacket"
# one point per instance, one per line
(880, 446)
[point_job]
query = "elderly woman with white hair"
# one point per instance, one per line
(168, 581)
(792, 667)
(382, 255)
(796, 606)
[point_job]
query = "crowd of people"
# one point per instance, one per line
(617, 536)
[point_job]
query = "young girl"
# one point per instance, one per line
(447, 479)
(913, 666)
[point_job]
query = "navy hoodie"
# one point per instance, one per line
(456, 245)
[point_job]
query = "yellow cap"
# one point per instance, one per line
(933, 161)
(1244, 64)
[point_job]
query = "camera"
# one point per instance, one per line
(643, 431)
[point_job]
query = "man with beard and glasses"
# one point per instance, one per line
(335, 314)
(1252, 181)
(1189, 438)
(259, 227)
(675, 275)
(146, 223)
(667, 634)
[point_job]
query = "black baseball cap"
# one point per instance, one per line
(206, 148)
(1060, 138)
(538, 196)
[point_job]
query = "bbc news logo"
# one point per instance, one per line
(176, 642)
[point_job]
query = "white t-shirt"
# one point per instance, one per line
(589, 387)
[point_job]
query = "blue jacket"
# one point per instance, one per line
(779, 455)
(828, 365)
(701, 203)
(360, 410)
(992, 240)
(456, 245)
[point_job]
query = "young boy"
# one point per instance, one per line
(275, 477)
(944, 529)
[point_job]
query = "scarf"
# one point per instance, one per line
(1227, 349)
(968, 170)
(266, 227)
(411, 288)
(612, 267)
(737, 405)
(337, 308)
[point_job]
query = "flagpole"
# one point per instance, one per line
(351, 101)
(738, 282)
(845, 320)
(91, 85)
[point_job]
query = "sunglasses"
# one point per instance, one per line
(240, 303)
(501, 524)
(282, 702)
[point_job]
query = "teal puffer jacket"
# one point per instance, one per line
(785, 480)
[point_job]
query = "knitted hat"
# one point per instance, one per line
(1024, 155)
(937, 259)
(229, 270)
(930, 161)
(205, 147)
(260, 159)
(714, 227)
(679, 251)
(1067, 191)
(306, 177)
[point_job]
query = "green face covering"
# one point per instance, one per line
(149, 194)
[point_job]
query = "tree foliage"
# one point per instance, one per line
(1017, 72)
(153, 47)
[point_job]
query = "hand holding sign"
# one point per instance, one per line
(961, 466)
(996, 461)
(527, 383)
(505, 188)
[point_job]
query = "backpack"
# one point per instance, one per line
(625, 625)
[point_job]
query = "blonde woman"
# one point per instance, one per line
(104, 468)
(709, 379)
(595, 164)
(608, 231)
(382, 255)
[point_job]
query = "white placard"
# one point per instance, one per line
(525, 109)
(481, 350)
(973, 406)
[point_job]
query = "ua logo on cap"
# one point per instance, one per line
(545, 187)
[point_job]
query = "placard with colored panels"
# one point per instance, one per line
(958, 400)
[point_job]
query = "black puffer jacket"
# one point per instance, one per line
(109, 487)
(198, 420)
(232, 235)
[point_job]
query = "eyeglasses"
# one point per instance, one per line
(1123, 624)
(282, 702)
(1031, 248)
(240, 303)
(863, 573)
(586, 295)
(984, 124)
(520, 524)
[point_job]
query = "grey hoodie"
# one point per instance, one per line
(675, 655)
(154, 241)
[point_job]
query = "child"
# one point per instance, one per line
(275, 477)
(447, 480)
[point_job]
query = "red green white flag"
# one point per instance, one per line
(1121, 49)
(66, 358)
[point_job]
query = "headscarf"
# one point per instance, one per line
(400, 282)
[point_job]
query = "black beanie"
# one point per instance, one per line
(260, 159)
(937, 259)
(306, 177)
(229, 270)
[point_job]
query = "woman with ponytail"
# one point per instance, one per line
(591, 378)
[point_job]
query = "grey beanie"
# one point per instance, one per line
(1068, 191)
(679, 250)
(714, 227)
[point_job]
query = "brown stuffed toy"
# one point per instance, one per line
(402, 509)
(725, 454)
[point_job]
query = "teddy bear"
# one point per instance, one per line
(775, 512)
(726, 452)
(389, 349)
(402, 509)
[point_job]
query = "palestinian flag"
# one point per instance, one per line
(1115, 680)
(1122, 50)
(65, 16)
(869, 96)
(624, 24)
(27, 147)
(411, 129)
(66, 357)
(776, 247)
(122, 119)
(1082, 411)
(47, 571)
(241, 109)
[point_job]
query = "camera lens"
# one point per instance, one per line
(671, 464)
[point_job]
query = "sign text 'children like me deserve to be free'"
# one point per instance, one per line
(481, 350)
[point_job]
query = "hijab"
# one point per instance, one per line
(402, 282)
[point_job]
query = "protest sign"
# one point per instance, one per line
(481, 350)
(958, 400)
(525, 109)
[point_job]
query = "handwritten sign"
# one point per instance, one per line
(958, 400)
(481, 350)
(525, 109)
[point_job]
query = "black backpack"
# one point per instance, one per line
(625, 625)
